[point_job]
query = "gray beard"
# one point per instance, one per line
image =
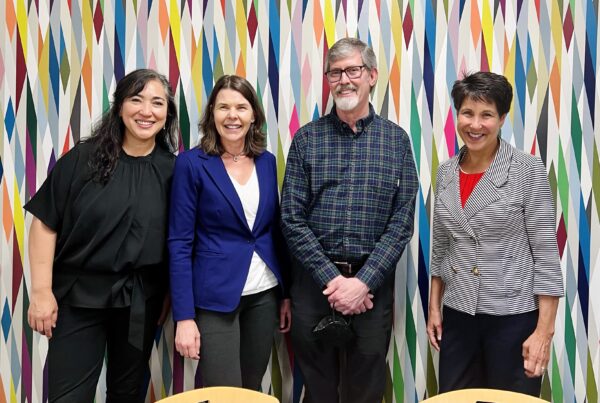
(345, 103)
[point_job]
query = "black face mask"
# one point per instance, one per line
(334, 330)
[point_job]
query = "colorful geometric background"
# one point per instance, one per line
(59, 61)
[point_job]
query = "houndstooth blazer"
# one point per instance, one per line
(499, 251)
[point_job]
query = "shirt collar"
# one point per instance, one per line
(361, 124)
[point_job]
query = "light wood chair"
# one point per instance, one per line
(483, 396)
(220, 394)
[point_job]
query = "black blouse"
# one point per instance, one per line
(111, 238)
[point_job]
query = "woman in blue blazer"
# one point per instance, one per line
(495, 267)
(228, 262)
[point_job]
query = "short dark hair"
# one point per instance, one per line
(255, 141)
(107, 135)
(483, 86)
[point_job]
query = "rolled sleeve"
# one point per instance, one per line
(50, 201)
(540, 219)
(440, 243)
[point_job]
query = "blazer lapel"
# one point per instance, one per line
(216, 170)
(450, 196)
(486, 190)
(264, 182)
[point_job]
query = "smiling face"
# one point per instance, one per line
(233, 116)
(144, 114)
(478, 124)
(352, 95)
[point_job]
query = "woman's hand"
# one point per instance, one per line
(285, 315)
(434, 322)
(187, 339)
(536, 353)
(43, 311)
(536, 349)
(434, 328)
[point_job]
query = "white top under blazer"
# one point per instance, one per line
(499, 252)
(260, 277)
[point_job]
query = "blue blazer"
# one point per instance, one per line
(210, 243)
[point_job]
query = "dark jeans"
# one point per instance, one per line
(235, 347)
(355, 373)
(485, 351)
(81, 340)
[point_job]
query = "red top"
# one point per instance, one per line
(467, 184)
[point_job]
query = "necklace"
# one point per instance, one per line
(235, 157)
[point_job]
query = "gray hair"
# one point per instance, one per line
(346, 47)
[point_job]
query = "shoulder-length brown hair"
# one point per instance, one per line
(255, 140)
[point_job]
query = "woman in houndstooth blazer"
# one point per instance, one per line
(495, 268)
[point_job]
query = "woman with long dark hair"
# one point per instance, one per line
(97, 245)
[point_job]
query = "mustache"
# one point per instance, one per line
(345, 87)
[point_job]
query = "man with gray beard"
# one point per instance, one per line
(347, 214)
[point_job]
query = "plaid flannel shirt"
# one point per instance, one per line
(349, 196)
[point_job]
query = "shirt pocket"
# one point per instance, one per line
(383, 177)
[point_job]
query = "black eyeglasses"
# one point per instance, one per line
(352, 72)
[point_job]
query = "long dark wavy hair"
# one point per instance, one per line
(255, 140)
(107, 135)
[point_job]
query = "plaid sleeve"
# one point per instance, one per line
(302, 242)
(400, 226)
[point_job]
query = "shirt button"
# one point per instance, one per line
(454, 269)
(475, 271)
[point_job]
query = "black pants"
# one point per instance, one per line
(81, 340)
(235, 346)
(355, 373)
(485, 351)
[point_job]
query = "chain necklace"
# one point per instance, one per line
(235, 157)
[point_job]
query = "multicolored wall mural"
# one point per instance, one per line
(59, 61)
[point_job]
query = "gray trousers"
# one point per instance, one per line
(235, 346)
